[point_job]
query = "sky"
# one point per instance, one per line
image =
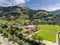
(48, 5)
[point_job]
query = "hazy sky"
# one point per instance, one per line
(33, 4)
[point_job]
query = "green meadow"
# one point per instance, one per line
(48, 32)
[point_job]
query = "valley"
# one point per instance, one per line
(25, 26)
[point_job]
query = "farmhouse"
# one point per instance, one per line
(31, 28)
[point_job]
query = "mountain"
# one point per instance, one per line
(43, 16)
(35, 16)
(13, 12)
(56, 12)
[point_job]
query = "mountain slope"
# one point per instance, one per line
(57, 12)
(15, 12)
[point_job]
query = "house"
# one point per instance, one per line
(31, 28)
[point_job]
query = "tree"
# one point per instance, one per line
(21, 36)
(34, 37)
(21, 42)
(40, 39)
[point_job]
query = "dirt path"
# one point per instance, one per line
(48, 42)
(33, 34)
(57, 37)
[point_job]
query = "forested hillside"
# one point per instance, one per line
(35, 16)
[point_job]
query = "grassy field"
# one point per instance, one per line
(48, 32)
